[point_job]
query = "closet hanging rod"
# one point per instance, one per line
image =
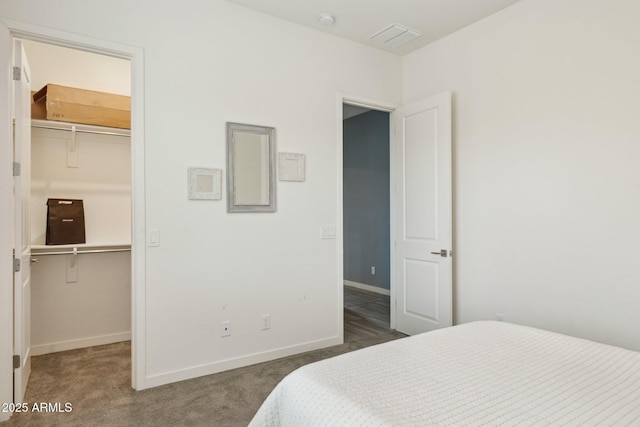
(68, 127)
(89, 251)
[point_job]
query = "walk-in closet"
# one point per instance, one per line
(80, 292)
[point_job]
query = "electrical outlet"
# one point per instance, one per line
(266, 322)
(373, 270)
(226, 328)
(499, 317)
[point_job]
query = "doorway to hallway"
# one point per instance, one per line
(366, 218)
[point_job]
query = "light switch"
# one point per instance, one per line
(328, 232)
(153, 238)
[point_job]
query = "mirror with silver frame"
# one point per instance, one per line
(251, 168)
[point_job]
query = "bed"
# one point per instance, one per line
(479, 373)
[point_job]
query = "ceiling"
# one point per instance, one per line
(358, 20)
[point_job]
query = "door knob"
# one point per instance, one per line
(441, 252)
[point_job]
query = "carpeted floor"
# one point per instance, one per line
(96, 381)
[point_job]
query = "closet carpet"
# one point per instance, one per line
(96, 381)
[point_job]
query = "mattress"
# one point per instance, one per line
(479, 373)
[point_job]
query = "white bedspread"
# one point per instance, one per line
(480, 373)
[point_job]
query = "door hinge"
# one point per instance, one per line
(17, 75)
(16, 361)
(16, 265)
(16, 169)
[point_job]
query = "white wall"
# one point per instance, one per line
(95, 308)
(102, 180)
(546, 149)
(200, 72)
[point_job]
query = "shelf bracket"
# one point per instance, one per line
(72, 149)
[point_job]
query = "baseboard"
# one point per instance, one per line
(38, 350)
(225, 365)
(369, 288)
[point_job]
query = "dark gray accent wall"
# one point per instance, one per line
(366, 198)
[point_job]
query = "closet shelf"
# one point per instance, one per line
(65, 126)
(84, 248)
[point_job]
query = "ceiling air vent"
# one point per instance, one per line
(395, 35)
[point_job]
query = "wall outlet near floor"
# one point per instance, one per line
(499, 317)
(226, 328)
(266, 322)
(373, 270)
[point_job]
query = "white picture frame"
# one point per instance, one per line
(205, 184)
(291, 167)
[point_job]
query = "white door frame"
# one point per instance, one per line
(374, 104)
(138, 255)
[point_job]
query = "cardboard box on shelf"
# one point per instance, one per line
(67, 104)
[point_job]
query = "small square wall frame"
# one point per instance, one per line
(205, 184)
(291, 167)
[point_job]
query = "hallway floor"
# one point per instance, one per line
(370, 305)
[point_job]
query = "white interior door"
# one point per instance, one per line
(423, 268)
(22, 221)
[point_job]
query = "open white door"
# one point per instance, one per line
(423, 268)
(6, 224)
(22, 222)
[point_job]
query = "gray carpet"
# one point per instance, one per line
(101, 395)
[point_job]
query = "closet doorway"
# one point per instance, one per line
(366, 221)
(80, 293)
